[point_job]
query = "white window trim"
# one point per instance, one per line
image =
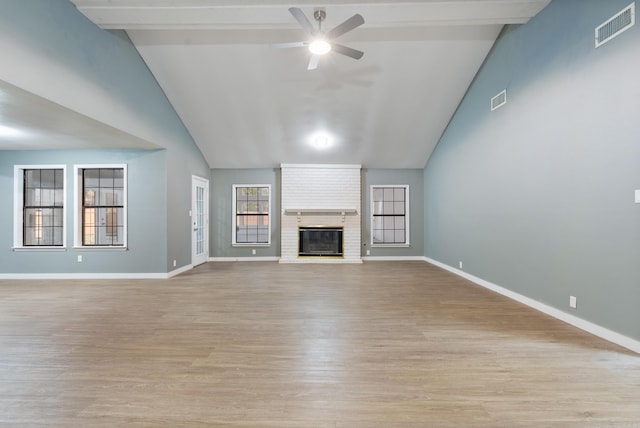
(407, 206)
(77, 208)
(233, 217)
(18, 200)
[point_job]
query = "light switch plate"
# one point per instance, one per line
(638, 196)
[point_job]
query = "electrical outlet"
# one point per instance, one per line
(253, 251)
(573, 302)
(368, 252)
(460, 264)
(79, 258)
(174, 263)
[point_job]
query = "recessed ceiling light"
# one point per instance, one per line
(321, 141)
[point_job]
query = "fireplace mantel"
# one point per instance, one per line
(321, 211)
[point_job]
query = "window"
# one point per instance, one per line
(251, 211)
(102, 213)
(39, 206)
(390, 215)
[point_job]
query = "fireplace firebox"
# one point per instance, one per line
(320, 241)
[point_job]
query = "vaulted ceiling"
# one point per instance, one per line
(250, 105)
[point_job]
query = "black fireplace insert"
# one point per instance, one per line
(320, 241)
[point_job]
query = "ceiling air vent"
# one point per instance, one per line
(499, 100)
(616, 25)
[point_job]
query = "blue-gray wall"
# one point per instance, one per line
(221, 211)
(379, 177)
(118, 84)
(538, 196)
(146, 220)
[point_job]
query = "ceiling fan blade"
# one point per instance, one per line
(313, 62)
(302, 19)
(290, 45)
(353, 53)
(348, 25)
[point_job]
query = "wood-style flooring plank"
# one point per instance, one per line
(260, 344)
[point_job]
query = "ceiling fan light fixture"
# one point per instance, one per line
(319, 47)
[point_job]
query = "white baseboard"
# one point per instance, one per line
(587, 326)
(393, 258)
(244, 259)
(179, 270)
(20, 276)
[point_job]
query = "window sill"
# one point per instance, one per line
(390, 245)
(29, 249)
(100, 248)
(249, 244)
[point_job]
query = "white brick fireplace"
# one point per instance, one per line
(325, 196)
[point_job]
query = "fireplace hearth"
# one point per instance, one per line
(320, 241)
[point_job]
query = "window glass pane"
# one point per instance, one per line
(47, 217)
(59, 177)
(47, 197)
(378, 207)
(118, 178)
(32, 197)
(398, 207)
(89, 229)
(388, 194)
(32, 216)
(377, 194)
(399, 237)
(32, 178)
(110, 197)
(106, 177)
(89, 197)
(47, 178)
(398, 194)
(389, 235)
(58, 217)
(58, 198)
(387, 208)
(399, 222)
(91, 178)
(388, 222)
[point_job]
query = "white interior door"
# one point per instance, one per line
(199, 220)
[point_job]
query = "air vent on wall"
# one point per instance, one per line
(499, 100)
(616, 25)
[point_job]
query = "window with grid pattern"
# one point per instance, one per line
(103, 206)
(390, 215)
(42, 207)
(252, 210)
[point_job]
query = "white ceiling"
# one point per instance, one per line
(249, 105)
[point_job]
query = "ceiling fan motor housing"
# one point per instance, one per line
(319, 14)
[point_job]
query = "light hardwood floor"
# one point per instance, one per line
(259, 344)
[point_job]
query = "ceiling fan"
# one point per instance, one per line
(322, 42)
